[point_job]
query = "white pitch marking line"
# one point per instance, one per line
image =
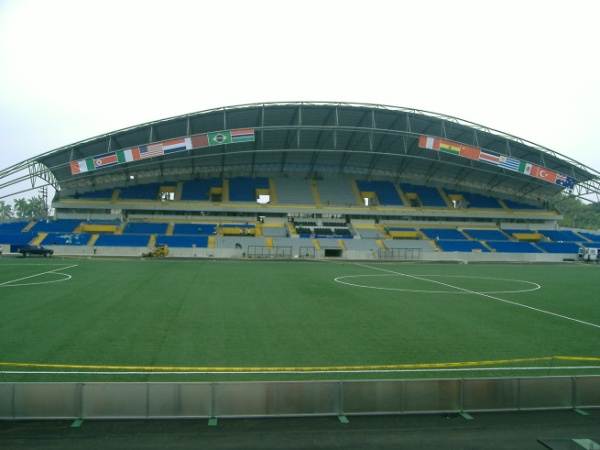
(485, 295)
(537, 286)
(10, 283)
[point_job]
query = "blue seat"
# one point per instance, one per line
(486, 235)
(243, 189)
(443, 234)
(513, 247)
(184, 241)
(385, 190)
(461, 246)
(122, 240)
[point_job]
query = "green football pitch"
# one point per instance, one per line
(215, 320)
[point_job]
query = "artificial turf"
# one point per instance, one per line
(201, 320)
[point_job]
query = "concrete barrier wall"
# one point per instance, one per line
(85, 251)
(267, 399)
(175, 252)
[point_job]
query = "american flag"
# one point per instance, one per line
(150, 151)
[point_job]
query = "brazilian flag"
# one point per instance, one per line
(220, 138)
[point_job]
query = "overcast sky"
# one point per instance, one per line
(73, 69)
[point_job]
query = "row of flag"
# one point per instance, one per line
(160, 149)
(489, 157)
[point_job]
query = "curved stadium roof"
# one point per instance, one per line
(315, 139)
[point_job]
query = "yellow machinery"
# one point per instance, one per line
(160, 251)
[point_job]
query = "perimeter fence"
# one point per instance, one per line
(19, 401)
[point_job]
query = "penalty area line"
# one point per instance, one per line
(54, 271)
(543, 311)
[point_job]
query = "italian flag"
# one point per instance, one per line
(131, 154)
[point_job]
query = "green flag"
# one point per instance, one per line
(524, 167)
(89, 163)
(222, 137)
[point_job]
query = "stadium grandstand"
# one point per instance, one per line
(305, 180)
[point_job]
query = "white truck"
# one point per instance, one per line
(589, 254)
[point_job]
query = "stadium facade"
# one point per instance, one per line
(308, 179)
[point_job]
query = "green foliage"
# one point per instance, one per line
(578, 214)
(5, 211)
(34, 208)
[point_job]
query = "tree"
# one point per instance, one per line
(20, 208)
(5, 211)
(38, 208)
(34, 208)
(576, 214)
